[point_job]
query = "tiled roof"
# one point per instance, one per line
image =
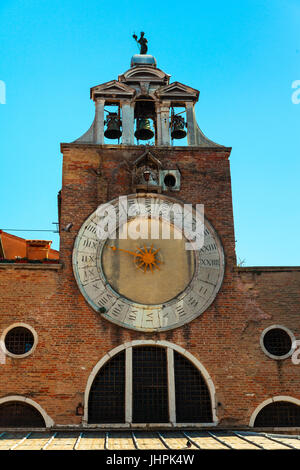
(12, 246)
(145, 440)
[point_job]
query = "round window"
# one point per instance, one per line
(19, 340)
(277, 342)
(170, 180)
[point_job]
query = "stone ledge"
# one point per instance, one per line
(54, 266)
(245, 269)
(193, 148)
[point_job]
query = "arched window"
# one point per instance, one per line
(17, 414)
(107, 395)
(278, 414)
(148, 383)
(192, 396)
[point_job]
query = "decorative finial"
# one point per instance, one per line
(142, 43)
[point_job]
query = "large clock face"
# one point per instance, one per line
(142, 276)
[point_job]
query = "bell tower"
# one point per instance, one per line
(154, 331)
(145, 138)
(142, 106)
(145, 146)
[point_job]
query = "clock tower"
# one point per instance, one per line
(145, 321)
(148, 293)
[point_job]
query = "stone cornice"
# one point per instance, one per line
(45, 266)
(66, 145)
(245, 269)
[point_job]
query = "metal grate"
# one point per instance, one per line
(150, 385)
(193, 404)
(19, 340)
(18, 414)
(107, 395)
(277, 342)
(278, 414)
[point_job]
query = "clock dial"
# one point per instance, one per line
(151, 283)
(151, 271)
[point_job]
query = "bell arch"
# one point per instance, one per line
(145, 117)
(151, 374)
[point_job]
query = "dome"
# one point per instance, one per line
(143, 59)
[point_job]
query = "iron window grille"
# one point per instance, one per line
(278, 414)
(19, 340)
(193, 404)
(277, 342)
(150, 385)
(149, 372)
(107, 394)
(18, 414)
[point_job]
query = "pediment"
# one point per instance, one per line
(147, 157)
(112, 89)
(179, 91)
(144, 74)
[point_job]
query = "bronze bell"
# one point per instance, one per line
(113, 126)
(143, 131)
(178, 124)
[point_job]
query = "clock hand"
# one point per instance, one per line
(142, 253)
(146, 257)
(114, 248)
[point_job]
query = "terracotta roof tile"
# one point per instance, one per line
(12, 246)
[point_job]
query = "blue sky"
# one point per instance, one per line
(242, 56)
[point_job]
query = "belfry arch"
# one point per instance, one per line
(149, 382)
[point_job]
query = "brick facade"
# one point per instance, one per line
(72, 337)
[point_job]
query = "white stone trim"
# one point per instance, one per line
(48, 421)
(99, 121)
(191, 123)
(128, 385)
(296, 401)
(167, 345)
(171, 385)
(151, 426)
(127, 123)
(164, 123)
(15, 325)
(272, 356)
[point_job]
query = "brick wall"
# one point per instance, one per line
(72, 337)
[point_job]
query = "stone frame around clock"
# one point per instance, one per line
(112, 305)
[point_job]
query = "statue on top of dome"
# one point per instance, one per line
(142, 43)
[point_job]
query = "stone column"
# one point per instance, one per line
(162, 123)
(127, 123)
(191, 123)
(165, 123)
(128, 382)
(99, 122)
(158, 138)
(171, 385)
